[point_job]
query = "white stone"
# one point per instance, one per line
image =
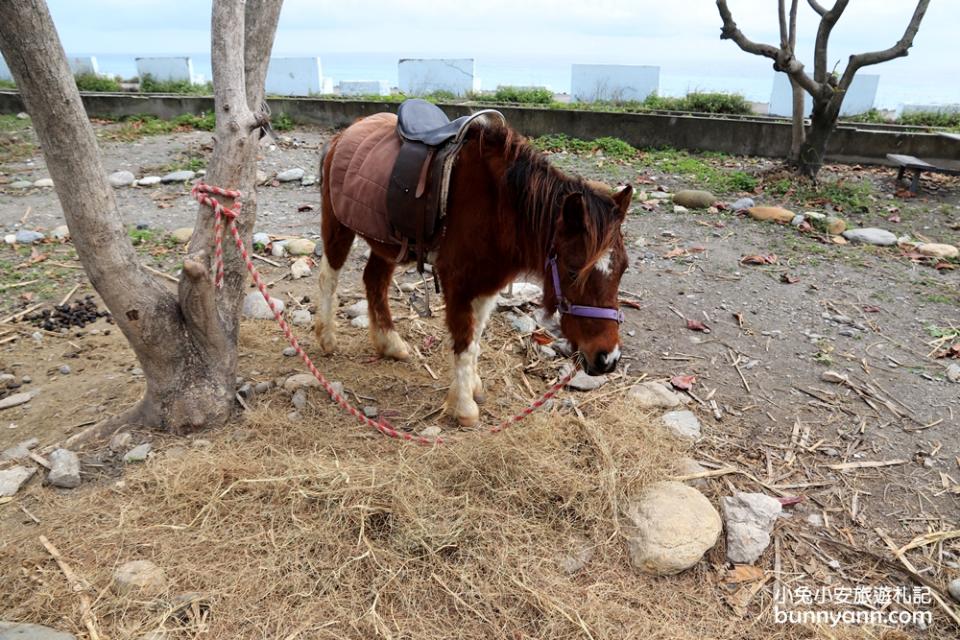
(43, 182)
(669, 528)
(937, 250)
(749, 519)
(20, 450)
(121, 179)
(683, 424)
(584, 382)
(60, 233)
(358, 308)
(13, 478)
(16, 399)
(300, 247)
(290, 175)
(689, 467)
(178, 176)
(680, 209)
(300, 269)
(954, 589)
(278, 249)
(520, 293)
(26, 630)
(139, 578)
(431, 432)
(653, 395)
(360, 322)
(300, 381)
(522, 323)
(255, 307)
(64, 469)
(301, 318)
(953, 372)
(149, 181)
(139, 453)
(182, 235)
(871, 235)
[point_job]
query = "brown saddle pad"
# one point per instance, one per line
(363, 159)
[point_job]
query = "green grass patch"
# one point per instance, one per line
(8, 84)
(281, 122)
(701, 102)
(934, 119)
(149, 84)
(610, 147)
(697, 169)
(93, 82)
(138, 126)
(15, 144)
(847, 195)
(11, 123)
(516, 95)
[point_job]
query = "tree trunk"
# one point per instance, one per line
(186, 342)
(798, 134)
(822, 122)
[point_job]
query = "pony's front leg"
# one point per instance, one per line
(460, 403)
(482, 308)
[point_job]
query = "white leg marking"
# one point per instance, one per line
(603, 263)
(460, 402)
(482, 308)
(389, 344)
(325, 325)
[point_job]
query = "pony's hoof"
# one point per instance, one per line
(327, 341)
(469, 421)
(391, 345)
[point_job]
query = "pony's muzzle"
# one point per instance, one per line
(602, 362)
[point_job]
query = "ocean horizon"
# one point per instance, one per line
(554, 74)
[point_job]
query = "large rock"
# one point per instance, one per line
(300, 247)
(121, 179)
(290, 175)
(26, 236)
(139, 578)
(13, 478)
(683, 424)
(669, 528)
(254, 306)
(584, 382)
(17, 399)
(358, 308)
(138, 454)
(871, 235)
(742, 203)
(301, 318)
(936, 250)
(178, 176)
(694, 199)
(749, 519)
(653, 395)
(300, 269)
(64, 469)
(182, 235)
(775, 214)
(27, 631)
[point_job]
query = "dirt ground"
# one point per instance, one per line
(876, 315)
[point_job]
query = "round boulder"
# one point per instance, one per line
(669, 528)
(694, 199)
(936, 250)
(773, 214)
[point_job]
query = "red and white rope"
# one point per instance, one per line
(204, 194)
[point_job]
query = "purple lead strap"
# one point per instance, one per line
(583, 311)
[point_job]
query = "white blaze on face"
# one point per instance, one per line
(612, 357)
(605, 263)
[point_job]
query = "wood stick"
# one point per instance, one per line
(267, 260)
(67, 297)
(18, 285)
(78, 585)
(162, 274)
(866, 464)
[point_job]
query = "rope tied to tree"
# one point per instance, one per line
(205, 194)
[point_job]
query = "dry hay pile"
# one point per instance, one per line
(313, 528)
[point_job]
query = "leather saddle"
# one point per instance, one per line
(420, 179)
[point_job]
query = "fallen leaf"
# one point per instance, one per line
(894, 218)
(742, 573)
(786, 278)
(790, 500)
(871, 309)
(684, 383)
(630, 303)
(541, 337)
(305, 207)
(739, 317)
(944, 266)
(758, 259)
(696, 325)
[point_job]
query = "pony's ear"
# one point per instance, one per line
(622, 198)
(572, 217)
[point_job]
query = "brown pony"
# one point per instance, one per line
(509, 211)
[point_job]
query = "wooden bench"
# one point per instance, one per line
(918, 166)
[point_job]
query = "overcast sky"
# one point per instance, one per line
(682, 36)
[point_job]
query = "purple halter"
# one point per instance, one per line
(584, 311)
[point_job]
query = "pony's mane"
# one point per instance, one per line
(537, 190)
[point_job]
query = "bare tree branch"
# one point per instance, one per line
(784, 34)
(899, 50)
(783, 59)
(792, 37)
(816, 6)
(827, 21)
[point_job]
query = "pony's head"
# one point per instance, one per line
(583, 273)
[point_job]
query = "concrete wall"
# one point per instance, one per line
(177, 69)
(420, 76)
(612, 82)
(741, 135)
(364, 88)
(83, 65)
(295, 77)
(859, 99)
